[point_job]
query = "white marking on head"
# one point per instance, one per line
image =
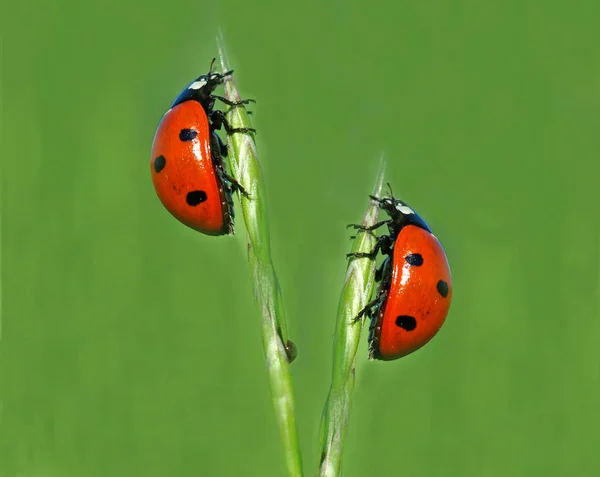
(197, 84)
(404, 209)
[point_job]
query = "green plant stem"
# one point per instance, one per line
(356, 293)
(246, 169)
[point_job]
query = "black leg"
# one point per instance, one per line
(368, 309)
(372, 254)
(222, 146)
(231, 130)
(384, 243)
(379, 272)
(218, 120)
(227, 73)
(370, 228)
(236, 186)
(376, 199)
(384, 202)
(233, 103)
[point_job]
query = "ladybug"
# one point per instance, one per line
(415, 285)
(187, 166)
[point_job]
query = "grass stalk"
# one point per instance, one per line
(356, 293)
(245, 168)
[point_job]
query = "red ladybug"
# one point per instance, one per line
(415, 289)
(187, 166)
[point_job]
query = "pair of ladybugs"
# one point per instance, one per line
(189, 175)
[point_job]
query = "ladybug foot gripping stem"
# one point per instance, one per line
(370, 228)
(384, 243)
(379, 273)
(365, 311)
(218, 119)
(357, 227)
(240, 130)
(369, 309)
(379, 200)
(234, 104)
(236, 186)
(364, 228)
(370, 255)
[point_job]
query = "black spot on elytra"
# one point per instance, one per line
(195, 197)
(159, 163)
(406, 322)
(442, 288)
(187, 135)
(414, 259)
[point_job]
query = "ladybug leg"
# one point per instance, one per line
(384, 243)
(231, 130)
(381, 201)
(370, 308)
(221, 145)
(376, 199)
(372, 254)
(227, 73)
(377, 306)
(218, 120)
(366, 229)
(369, 228)
(236, 186)
(379, 272)
(366, 310)
(233, 104)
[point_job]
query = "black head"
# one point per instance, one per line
(201, 89)
(401, 214)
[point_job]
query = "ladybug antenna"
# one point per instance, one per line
(391, 192)
(212, 63)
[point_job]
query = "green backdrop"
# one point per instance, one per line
(131, 346)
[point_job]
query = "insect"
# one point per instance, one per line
(187, 166)
(415, 285)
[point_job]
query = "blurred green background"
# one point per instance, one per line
(131, 345)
